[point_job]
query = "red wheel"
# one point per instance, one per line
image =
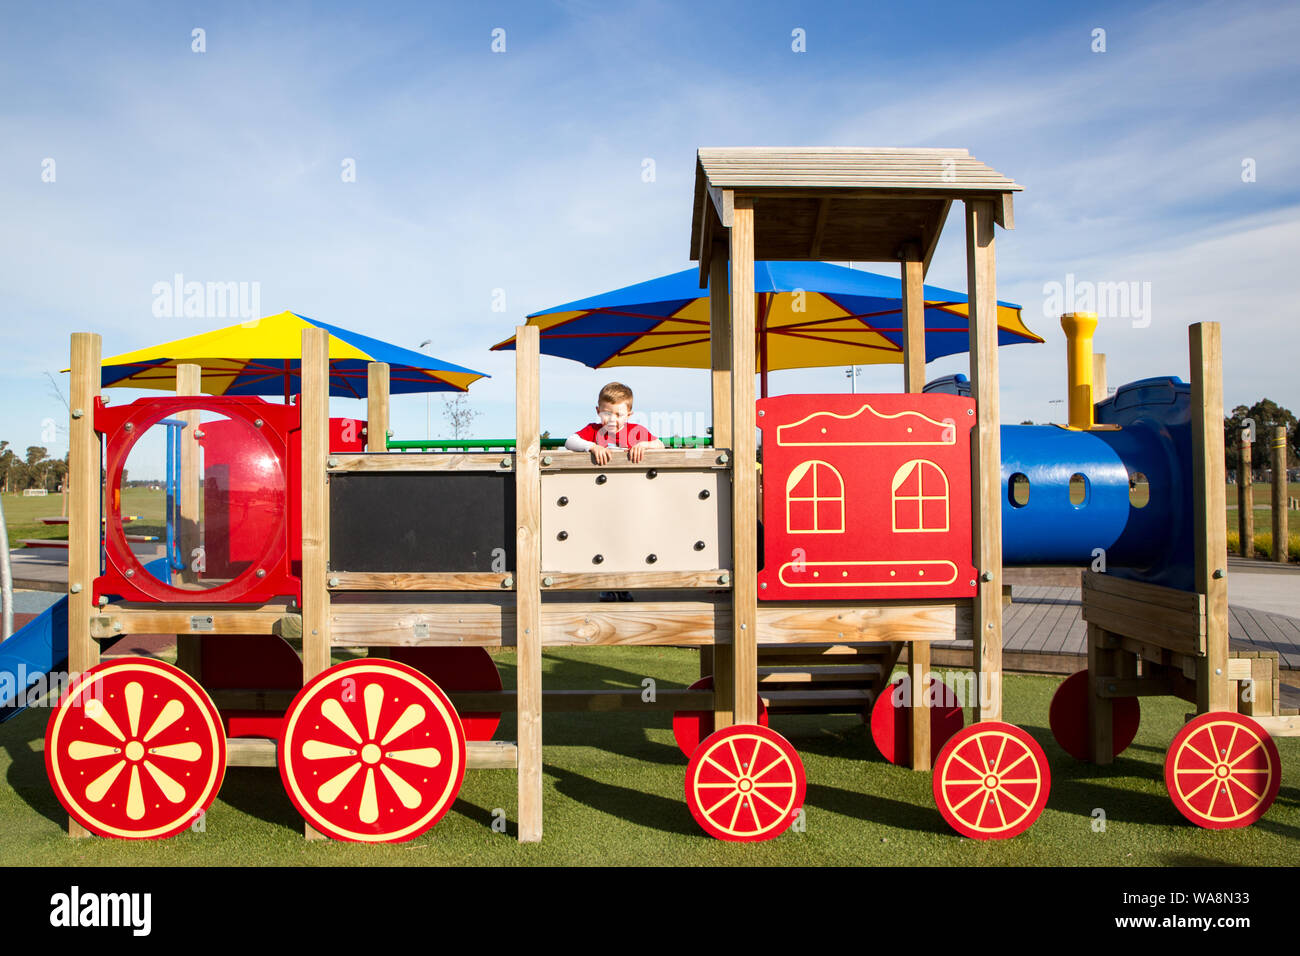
(991, 781)
(372, 751)
(1068, 717)
(745, 783)
(458, 669)
(692, 726)
(135, 749)
(891, 720)
(1223, 771)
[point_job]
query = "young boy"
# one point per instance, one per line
(614, 407)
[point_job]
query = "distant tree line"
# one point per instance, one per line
(1266, 415)
(36, 470)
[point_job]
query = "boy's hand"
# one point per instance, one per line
(637, 451)
(600, 454)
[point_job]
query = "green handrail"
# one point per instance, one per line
(508, 444)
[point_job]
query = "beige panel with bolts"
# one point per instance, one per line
(625, 520)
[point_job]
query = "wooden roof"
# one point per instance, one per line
(865, 204)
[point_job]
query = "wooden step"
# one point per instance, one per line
(846, 701)
(868, 674)
(825, 653)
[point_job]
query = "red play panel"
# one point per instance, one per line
(745, 783)
(458, 669)
(135, 749)
(866, 497)
(991, 781)
(692, 726)
(260, 661)
(1223, 771)
(372, 751)
(891, 721)
(1068, 717)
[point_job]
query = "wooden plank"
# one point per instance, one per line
(1180, 642)
(251, 698)
(1101, 710)
(820, 653)
(913, 327)
(1116, 687)
(918, 670)
(986, 514)
(1155, 594)
(829, 701)
(377, 406)
(829, 674)
(189, 381)
(717, 579)
(1209, 513)
(314, 407)
(1181, 622)
(84, 517)
(666, 459)
(1288, 726)
(118, 620)
(1245, 500)
(420, 461)
(797, 622)
(250, 752)
(605, 700)
(491, 755)
(744, 552)
(1099, 393)
(421, 581)
(528, 561)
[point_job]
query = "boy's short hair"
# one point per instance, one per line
(615, 393)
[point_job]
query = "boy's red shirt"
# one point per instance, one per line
(631, 434)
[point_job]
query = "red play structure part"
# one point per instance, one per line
(991, 781)
(256, 519)
(1068, 717)
(135, 749)
(260, 661)
(866, 497)
(372, 752)
(745, 783)
(458, 669)
(1222, 771)
(692, 726)
(891, 720)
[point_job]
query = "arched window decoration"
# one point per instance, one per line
(920, 497)
(814, 499)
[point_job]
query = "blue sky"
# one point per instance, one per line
(522, 171)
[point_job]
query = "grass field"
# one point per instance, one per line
(613, 796)
(23, 515)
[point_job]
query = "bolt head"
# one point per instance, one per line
(257, 423)
(505, 462)
(78, 413)
(261, 572)
(334, 582)
(332, 462)
(75, 589)
(546, 460)
(548, 581)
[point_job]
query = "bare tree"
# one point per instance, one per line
(458, 415)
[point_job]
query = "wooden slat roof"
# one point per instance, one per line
(827, 202)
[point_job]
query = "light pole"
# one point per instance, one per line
(428, 432)
(852, 373)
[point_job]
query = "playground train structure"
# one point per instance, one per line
(886, 520)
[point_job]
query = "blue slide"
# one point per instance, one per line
(38, 648)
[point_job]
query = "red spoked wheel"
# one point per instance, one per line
(692, 726)
(1068, 717)
(1223, 771)
(991, 781)
(135, 749)
(745, 783)
(891, 720)
(372, 752)
(458, 669)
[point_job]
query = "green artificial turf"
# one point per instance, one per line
(614, 796)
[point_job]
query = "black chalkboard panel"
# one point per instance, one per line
(422, 521)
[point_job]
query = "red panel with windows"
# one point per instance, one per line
(866, 497)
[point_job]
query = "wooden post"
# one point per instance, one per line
(1245, 498)
(918, 670)
(1099, 390)
(189, 381)
(377, 406)
(913, 327)
(744, 550)
(986, 455)
(1101, 710)
(1209, 514)
(528, 580)
(313, 404)
(716, 661)
(84, 458)
(1280, 486)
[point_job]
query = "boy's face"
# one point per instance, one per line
(614, 415)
